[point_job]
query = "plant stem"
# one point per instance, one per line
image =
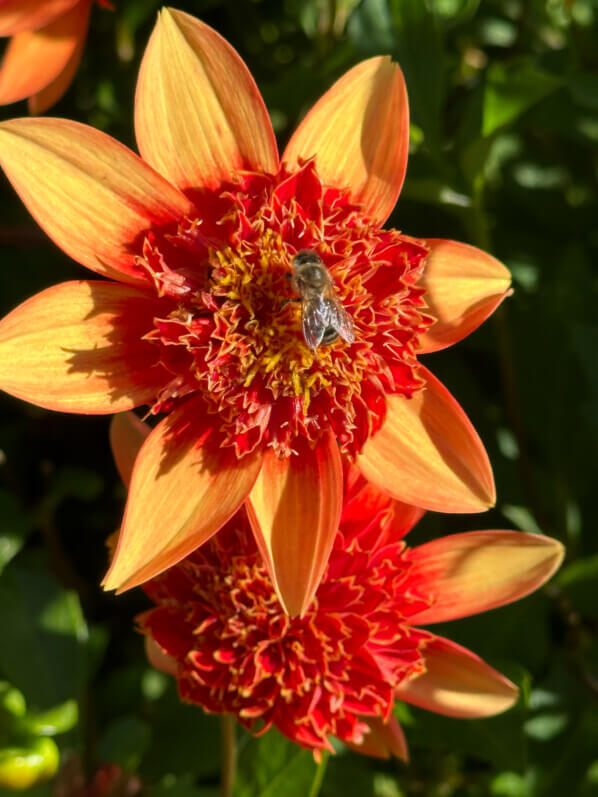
(229, 755)
(317, 781)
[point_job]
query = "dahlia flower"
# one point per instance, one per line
(45, 49)
(195, 315)
(220, 629)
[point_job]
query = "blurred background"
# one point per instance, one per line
(504, 155)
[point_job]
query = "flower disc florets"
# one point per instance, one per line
(312, 677)
(232, 324)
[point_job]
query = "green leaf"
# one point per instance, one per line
(272, 765)
(25, 765)
(80, 483)
(511, 90)
(181, 787)
(578, 581)
(44, 634)
(15, 527)
(407, 29)
(583, 87)
(12, 703)
(454, 11)
(58, 719)
(176, 728)
(125, 742)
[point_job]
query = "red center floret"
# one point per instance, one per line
(230, 330)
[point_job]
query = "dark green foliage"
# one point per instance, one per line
(504, 97)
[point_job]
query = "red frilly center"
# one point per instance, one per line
(229, 330)
(321, 675)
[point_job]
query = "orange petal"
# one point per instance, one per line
(359, 135)
(294, 509)
(158, 659)
(463, 287)
(385, 739)
(35, 58)
(183, 489)
(127, 435)
(427, 453)
(364, 504)
(92, 195)
(199, 117)
(458, 683)
(49, 96)
(20, 15)
(77, 347)
(480, 570)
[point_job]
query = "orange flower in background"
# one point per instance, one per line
(45, 49)
(199, 317)
(220, 629)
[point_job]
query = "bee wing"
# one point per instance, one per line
(339, 319)
(314, 322)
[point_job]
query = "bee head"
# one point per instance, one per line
(306, 257)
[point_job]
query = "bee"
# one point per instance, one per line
(323, 317)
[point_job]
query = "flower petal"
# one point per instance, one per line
(35, 58)
(480, 570)
(183, 489)
(458, 683)
(385, 739)
(365, 505)
(294, 510)
(92, 195)
(199, 117)
(47, 97)
(20, 15)
(427, 453)
(127, 435)
(77, 347)
(359, 135)
(464, 286)
(158, 658)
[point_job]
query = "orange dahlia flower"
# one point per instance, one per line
(220, 629)
(45, 49)
(197, 318)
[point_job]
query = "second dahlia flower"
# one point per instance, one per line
(195, 315)
(362, 642)
(44, 52)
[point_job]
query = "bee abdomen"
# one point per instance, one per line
(329, 336)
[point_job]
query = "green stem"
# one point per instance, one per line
(229, 755)
(319, 778)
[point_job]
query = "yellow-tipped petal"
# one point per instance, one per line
(458, 683)
(183, 489)
(127, 435)
(464, 286)
(35, 58)
(77, 347)
(480, 570)
(359, 134)
(428, 454)
(294, 510)
(20, 15)
(199, 116)
(92, 195)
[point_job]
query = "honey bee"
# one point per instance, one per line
(323, 317)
